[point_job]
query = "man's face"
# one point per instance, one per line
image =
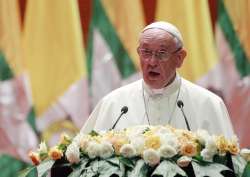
(158, 69)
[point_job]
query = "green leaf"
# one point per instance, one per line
(44, 167)
(146, 130)
(91, 170)
(213, 169)
(106, 169)
(168, 169)
(200, 160)
(220, 159)
(78, 170)
(27, 171)
(198, 157)
(246, 172)
(88, 173)
(113, 161)
(101, 168)
(127, 162)
(239, 164)
(93, 133)
(62, 147)
(140, 169)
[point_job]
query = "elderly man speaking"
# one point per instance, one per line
(162, 96)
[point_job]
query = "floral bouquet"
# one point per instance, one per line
(142, 151)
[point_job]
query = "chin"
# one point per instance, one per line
(154, 84)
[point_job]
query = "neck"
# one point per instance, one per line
(169, 88)
(170, 81)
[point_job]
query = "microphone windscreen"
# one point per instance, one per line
(180, 104)
(124, 109)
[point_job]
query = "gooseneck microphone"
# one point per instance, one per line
(124, 110)
(180, 104)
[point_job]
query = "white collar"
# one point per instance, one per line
(166, 91)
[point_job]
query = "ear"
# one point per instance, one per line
(181, 55)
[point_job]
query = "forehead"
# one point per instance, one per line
(156, 37)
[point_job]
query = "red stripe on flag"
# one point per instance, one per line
(149, 8)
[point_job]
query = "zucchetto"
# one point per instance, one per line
(168, 27)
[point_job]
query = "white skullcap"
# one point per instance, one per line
(168, 27)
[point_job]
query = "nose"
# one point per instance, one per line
(152, 60)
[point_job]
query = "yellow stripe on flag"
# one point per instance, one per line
(53, 49)
(10, 33)
(128, 21)
(239, 12)
(16, 138)
(193, 19)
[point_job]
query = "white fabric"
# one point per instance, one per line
(204, 110)
(168, 27)
(16, 136)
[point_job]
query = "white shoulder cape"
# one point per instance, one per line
(203, 109)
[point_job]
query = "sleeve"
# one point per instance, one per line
(227, 125)
(91, 122)
(216, 119)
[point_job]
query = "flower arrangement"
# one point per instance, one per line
(143, 151)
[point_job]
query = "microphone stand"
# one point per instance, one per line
(181, 105)
(124, 110)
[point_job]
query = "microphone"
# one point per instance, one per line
(180, 104)
(124, 110)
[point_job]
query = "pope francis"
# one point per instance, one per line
(153, 99)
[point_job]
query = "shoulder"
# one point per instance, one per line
(126, 90)
(200, 92)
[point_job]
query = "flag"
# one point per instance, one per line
(55, 60)
(192, 18)
(216, 64)
(112, 43)
(233, 43)
(17, 136)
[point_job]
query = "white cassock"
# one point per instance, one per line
(203, 109)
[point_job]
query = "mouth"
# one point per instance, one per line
(153, 74)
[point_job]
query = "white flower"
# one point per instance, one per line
(42, 148)
(202, 136)
(207, 155)
(151, 157)
(136, 131)
(93, 149)
(73, 153)
(138, 142)
(211, 145)
(84, 143)
(235, 139)
(184, 161)
(106, 150)
(163, 130)
(167, 151)
(170, 139)
(128, 150)
(78, 138)
(245, 153)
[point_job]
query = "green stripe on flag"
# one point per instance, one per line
(31, 118)
(10, 166)
(103, 24)
(6, 74)
(89, 53)
(242, 63)
(5, 70)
